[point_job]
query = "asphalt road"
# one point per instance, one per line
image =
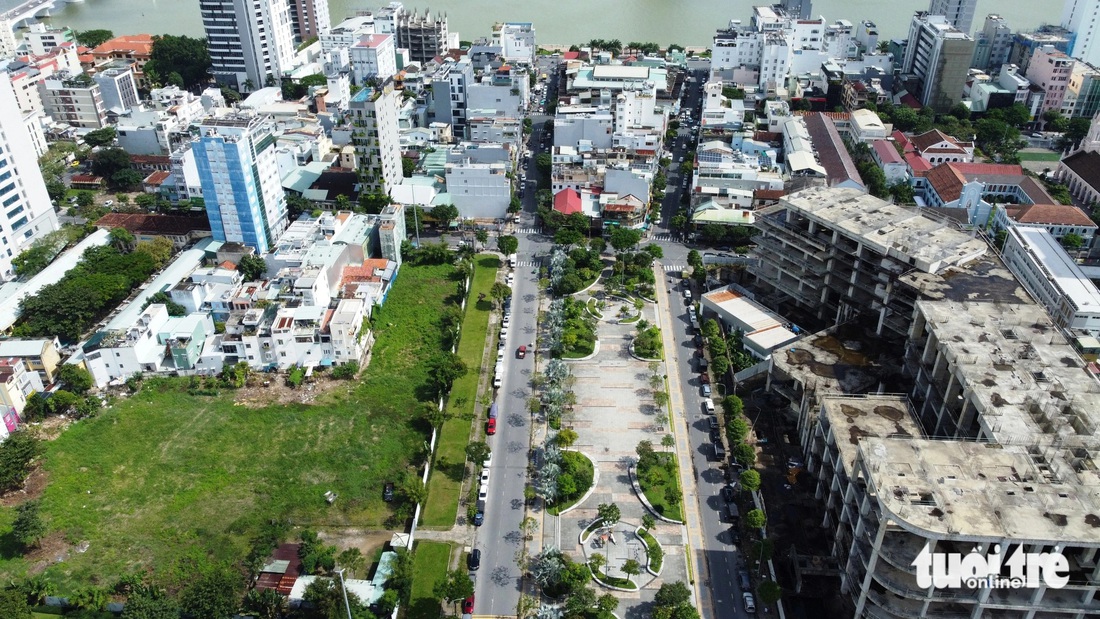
(497, 582)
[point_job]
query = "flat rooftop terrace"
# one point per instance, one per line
(980, 491)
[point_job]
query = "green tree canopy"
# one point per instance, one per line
(109, 161)
(93, 38)
(16, 454)
(623, 239)
(213, 594)
(101, 137)
(28, 528)
(507, 244)
(150, 604)
(13, 605)
(187, 56)
(252, 267)
(750, 480)
(75, 378)
(445, 214)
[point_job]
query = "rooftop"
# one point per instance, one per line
(165, 225)
(1051, 214)
(854, 418)
(1059, 268)
(1085, 164)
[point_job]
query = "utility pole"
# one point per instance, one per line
(344, 589)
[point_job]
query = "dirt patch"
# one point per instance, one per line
(368, 542)
(51, 549)
(52, 427)
(272, 389)
(33, 489)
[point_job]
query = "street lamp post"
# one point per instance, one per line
(344, 590)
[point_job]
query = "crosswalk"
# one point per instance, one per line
(529, 231)
(527, 263)
(663, 237)
(675, 268)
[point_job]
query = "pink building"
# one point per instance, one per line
(1050, 70)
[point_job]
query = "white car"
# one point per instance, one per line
(749, 602)
(488, 460)
(485, 476)
(504, 333)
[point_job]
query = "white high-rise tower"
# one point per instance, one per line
(250, 41)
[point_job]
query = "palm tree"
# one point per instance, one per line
(89, 598)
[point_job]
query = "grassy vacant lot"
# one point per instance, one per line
(445, 483)
(661, 485)
(430, 562)
(1038, 156)
(164, 479)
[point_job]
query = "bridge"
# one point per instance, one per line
(29, 11)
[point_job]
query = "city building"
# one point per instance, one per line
(1079, 18)
(16, 385)
(74, 100)
(38, 355)
(516, 41)
(1080, 170)
(117, 86)
(1024, 44)
(1006, 89)
(814, 149)
(450, 82)
(959, 13)
(1050, 70)
(937, 60)
(372, 57)
(893, 165)
(1082, 96)
(136, 47)
(182, 231)
(309, 19)
(251, 42)
(936, 146)
(992, 44)
(40, 38)
(26, 213)
(1057, 219)
(424, 36)
(347, 33)
(239, 176)
(373, 115)
(1044, 268)
(839, 254)
(762, 332)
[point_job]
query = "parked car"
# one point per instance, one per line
(712, 422)
(491, 428)
(704, 379)
(473, 560)
(743, 578)
(716, 436)
(747, 599)
(706, 391)
(387, 492)
(468, 606)
(521, 352)
(727, 494)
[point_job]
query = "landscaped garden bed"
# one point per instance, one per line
(659, 478)
(577, 476)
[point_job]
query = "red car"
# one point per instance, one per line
(492, 428)
(468, 606)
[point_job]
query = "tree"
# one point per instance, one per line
(152, 604)
(160, 250)
(455, 587)
(750, 480)
(529, 526)
(672, 594)
(101, 137)
(93, 38)
(16, 454)
(267, 604)
(482, 236)
(109, 161)
(13, 605)
(477, 452)
(607, 603)
(189, 57)
(655, 251)
(252, 267)
(213, 594)
(498, 291)
(744, 455)
(124, 180)
(565, 438)
(75, 378)
(568, 236)
(608, 513)
(597, 561)
(121, 239)
(769, 592)
(668, 441)
(733, 405)
(623, 239)
(445, 214)
(28, 528)
(1073, 241)
(631, 568)
(352, 560)
(755, 519)
(507, 244)
(544, 163)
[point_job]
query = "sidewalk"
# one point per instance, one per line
(679, 427)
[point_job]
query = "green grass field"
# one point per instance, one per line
(165, 480)
(430, 562)
(1043, 156)
(445, 483)
(656, 483)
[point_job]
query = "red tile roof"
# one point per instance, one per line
(928, 139)
(886, 152)
(138, 45)
(946, 181)
(571, 55)
(1051, 214)
(987, 168)
(85, 178)
(567, 202)
(919, 165)
(157, 178)
(910, 101)
(768, 194)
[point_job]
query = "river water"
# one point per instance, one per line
(687, 22)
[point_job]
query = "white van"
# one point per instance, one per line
(709, 404)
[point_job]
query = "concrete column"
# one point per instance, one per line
(881, 320)
(966, 416)
(930, 346)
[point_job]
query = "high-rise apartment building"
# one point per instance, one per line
(1079, 17)
(250, 41)
(239, 173)
(25, 209)
(309, 19)
(959, 13)
(1050, 71)
(73, 99)
(992, 44)
(117, 85)
(372, 57)
(797, 9)
(373, 114)
(937, 61)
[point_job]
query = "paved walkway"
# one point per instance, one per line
(614, 412)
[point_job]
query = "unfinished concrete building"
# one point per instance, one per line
(842, 254)
(890, 493)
